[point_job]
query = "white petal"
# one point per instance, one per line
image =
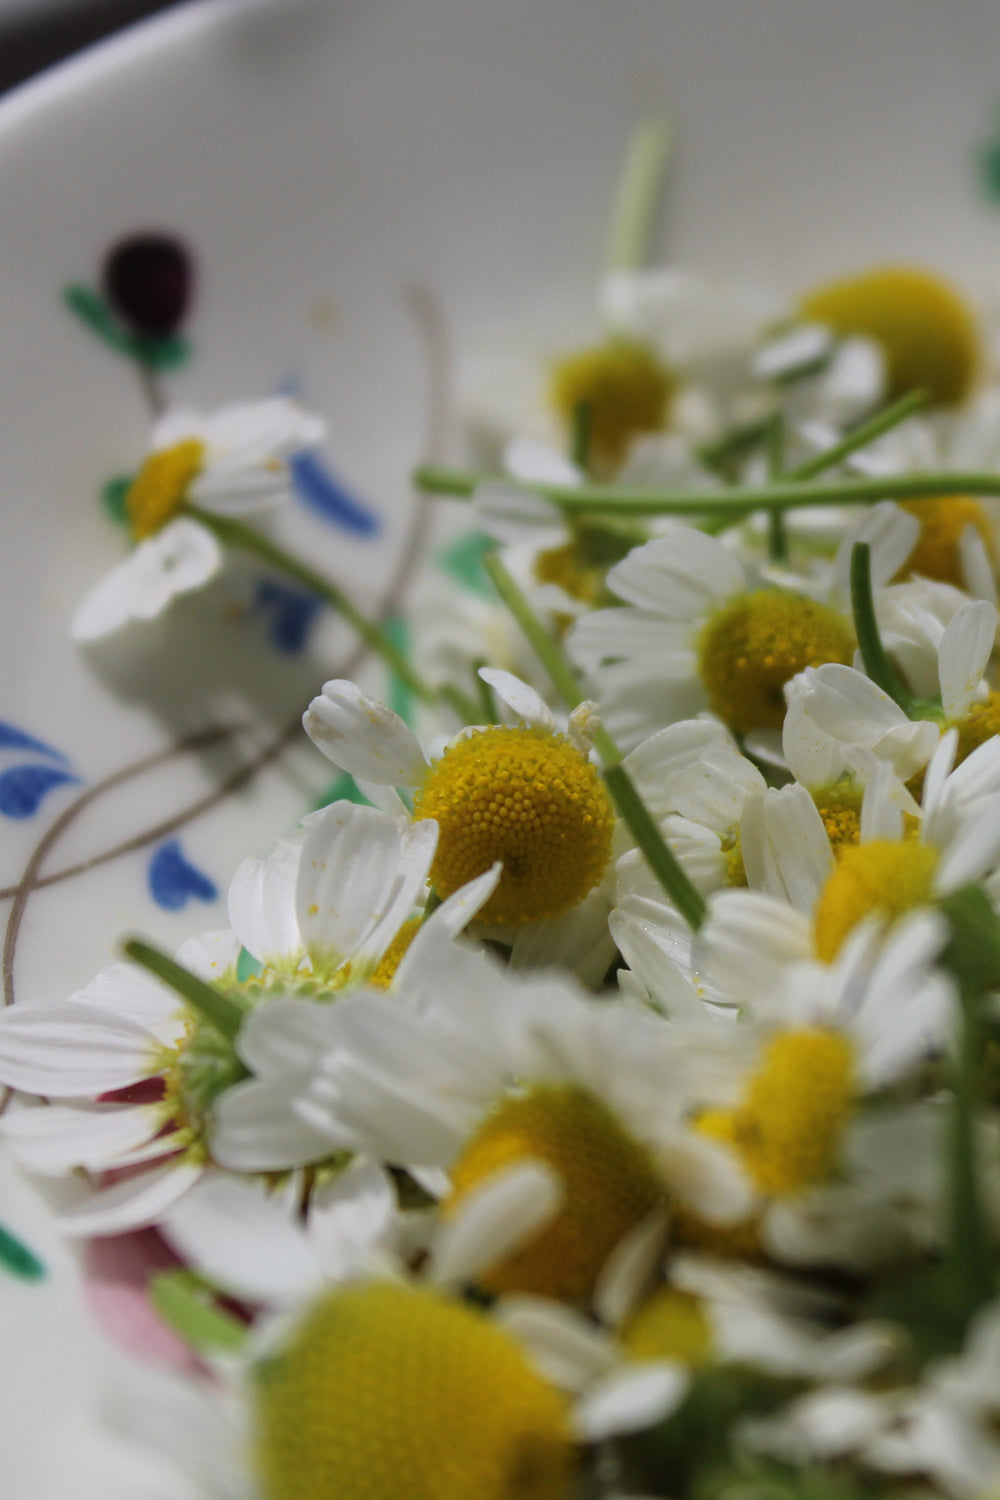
(350, 1216)
(786, 849)
(524, 700)
(509, 513)
(891, 534)
(52, 1140)
(526, 458)
(496, 1218)
(133, 1203)
(363, 737)
(964, 655)
(181, 557)
(66, 1050)
(630, 1399)
(564, 1346)
(628, 1270)
(243, 1238)
(257, 1129)
(262, 905)
(359, 878)
(212, 956)
(680, 575)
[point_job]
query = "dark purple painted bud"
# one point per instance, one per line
(148, 280)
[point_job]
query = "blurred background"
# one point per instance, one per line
(34, 34)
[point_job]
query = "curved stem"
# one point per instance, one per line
(877, 664)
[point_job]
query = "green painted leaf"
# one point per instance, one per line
(16, 1258)
(167, 353)
(113, 498)
(463, 559)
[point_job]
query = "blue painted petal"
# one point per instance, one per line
(23, 787)
(319, 488)
(174, 881)
(12, 738)
(291, 613)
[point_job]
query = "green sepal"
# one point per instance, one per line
(184, 1302)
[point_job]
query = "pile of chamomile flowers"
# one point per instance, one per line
(604, 1100)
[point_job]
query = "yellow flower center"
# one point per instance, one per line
(607, 1177)
(980, 724)
(943, 520)
(754, 643)
(567, 566)
(385, 972)
(670, 1325)
(880, 878)
(840, 808)
(732, 848)
(626, 391)
(160, 488)
(787, 1128)
(529, 798)
(386, 1391)
(925, 329)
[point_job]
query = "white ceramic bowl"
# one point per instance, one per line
(379, 195)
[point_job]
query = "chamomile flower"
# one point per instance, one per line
(698, 630)
(229, 462)
(834, 707)
(525, 795)
(750, 937)
(557, 1118)
(139, 1072)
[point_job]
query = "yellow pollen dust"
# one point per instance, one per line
(160, 488)
(881, 878)
(387, 1391)
(529, 798)
(626, 391)
(840, 808)
(943, 520)
(925, 329)
(754, 643)
(787, 1128)
(670, 1325)
(384, 974)
(977, 726)
(607, 1177)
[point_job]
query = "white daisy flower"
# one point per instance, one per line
(331, 900)
(698, 630)
(752, 941)
(230, 462)
(427, 1079)
(525, 795)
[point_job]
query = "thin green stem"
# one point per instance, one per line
(861, 436)
(777, 533)
(236, 533)
(544, 647)
(213, 1006)
(788, 494)
(580, 442)
(877, 664)
(627, 800)
(639, 189)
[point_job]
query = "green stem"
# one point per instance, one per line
(639, 189)
(877, 664)
(236, 533)
(969, 1250)
(788, 494)
(580, 442)
(214, 1007)
(627, 800)
(777, 533)
(861, 436)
